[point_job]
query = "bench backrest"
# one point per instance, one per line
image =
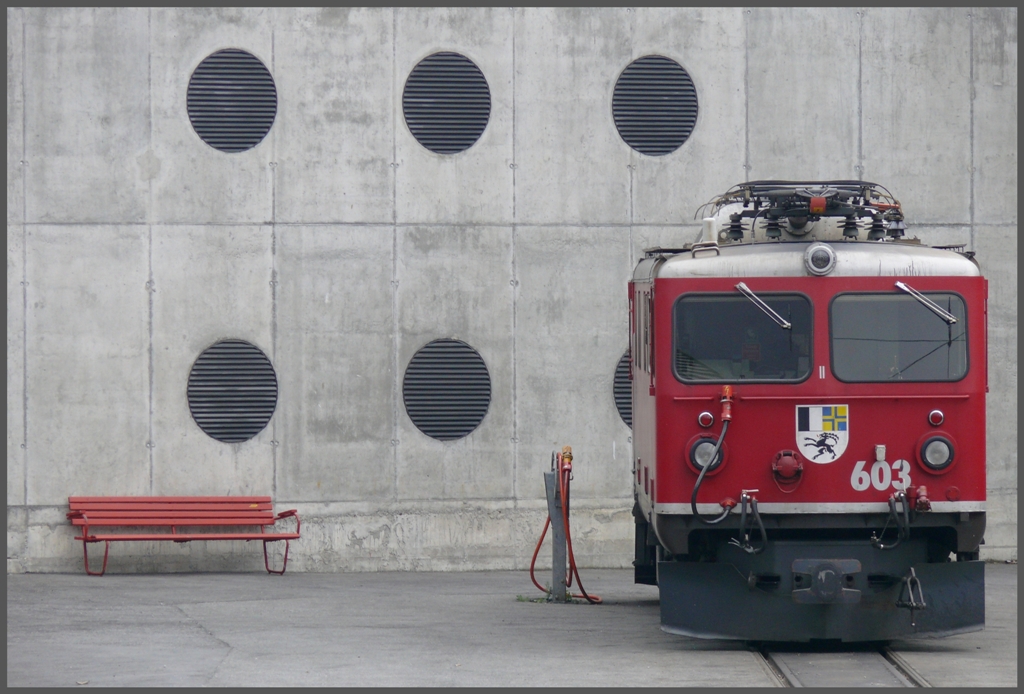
(171, 510)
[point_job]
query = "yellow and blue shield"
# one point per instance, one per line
(822, 431)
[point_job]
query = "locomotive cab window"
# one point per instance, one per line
(880, 338)
(729, 337)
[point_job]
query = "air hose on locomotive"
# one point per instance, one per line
(745, 498)
(726, 418)
(563, 466)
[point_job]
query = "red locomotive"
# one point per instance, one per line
(809, 421)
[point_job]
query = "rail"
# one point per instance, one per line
(845, 666)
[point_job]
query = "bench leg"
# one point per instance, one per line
(266, 559)
(85, 551)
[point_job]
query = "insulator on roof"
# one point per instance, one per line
(850, 227)
(735, 227)
(897, 228)
(877, 230)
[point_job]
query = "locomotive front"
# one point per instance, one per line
(809, 421)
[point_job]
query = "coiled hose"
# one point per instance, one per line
(700, 478)
(564, 476)
(902, 525)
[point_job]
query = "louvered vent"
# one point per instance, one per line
(446, 103)
(232, 100)
(654, 105)
(622, 389)
(232, 391)
(446, 389)
(690, 369)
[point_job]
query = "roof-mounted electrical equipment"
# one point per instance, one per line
(766, 211)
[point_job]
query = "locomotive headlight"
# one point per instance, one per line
(820, 259)
(937, 453)
(700, 454)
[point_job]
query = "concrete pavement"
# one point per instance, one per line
(395, 629)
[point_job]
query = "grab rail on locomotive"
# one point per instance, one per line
(809, 421)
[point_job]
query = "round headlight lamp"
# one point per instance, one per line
(819, 259)
(937, 453)
(700, 454)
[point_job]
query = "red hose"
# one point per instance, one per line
(537, 551)
(564, 472)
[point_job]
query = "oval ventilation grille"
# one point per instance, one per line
(446, 389)
(232, 100)
(446, 102)
(232, 391)
(654, 105)
(623, 390)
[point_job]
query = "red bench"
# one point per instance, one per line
(177, 512)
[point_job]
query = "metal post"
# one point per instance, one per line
(558, 591)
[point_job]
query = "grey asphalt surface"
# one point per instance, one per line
(400, 629)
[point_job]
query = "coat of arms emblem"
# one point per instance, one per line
(822, 431)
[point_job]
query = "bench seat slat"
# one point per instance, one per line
(134, 513)
(169, 499)
(171, 507)
(222, 520)
(142, 501)
(187, 537)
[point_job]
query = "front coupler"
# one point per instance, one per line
(803, 591)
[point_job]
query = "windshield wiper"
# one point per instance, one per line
(745, 290)
(928, 303)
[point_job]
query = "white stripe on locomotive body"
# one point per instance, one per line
(786, 259)
(796, 508)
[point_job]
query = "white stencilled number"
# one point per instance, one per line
(901, 468)
(860, 479)
(881, 476)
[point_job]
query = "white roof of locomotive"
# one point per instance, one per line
(786, 259)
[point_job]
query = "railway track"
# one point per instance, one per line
(831, 667)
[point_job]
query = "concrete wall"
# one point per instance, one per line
(340, 246)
